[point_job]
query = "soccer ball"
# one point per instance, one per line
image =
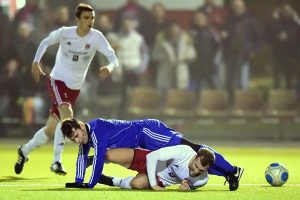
(276, 174)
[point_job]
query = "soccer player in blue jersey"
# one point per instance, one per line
(151, 134)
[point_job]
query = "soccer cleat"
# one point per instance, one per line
(20, 162)
(58, 169)
(106, 180)
(233, 178)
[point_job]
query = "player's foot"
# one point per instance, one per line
(234, 177)
(58, 169)
(20, 162)
(106, 180)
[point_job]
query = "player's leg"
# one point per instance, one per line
(134, 159)
(120, 156)
(65, 111)
(63, 98)
(40, 137)
(221, 167)
(156, 134)
(140, 181)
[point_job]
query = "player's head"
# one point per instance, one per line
(202, 161)
(85, 16)
(74, 130)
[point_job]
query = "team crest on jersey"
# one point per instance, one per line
(87, 46)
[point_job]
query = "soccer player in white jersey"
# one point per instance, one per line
(77, 47)
(164, 167)
(167, 166)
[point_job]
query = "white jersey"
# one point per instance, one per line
(175, 166)
(75, 54)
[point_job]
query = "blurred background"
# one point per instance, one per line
(213, 69)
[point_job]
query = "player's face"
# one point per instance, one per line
(86, 20)
(195, 168)
(79, 136)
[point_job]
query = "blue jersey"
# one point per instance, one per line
(106, 134)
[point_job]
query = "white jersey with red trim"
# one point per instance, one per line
(75, 54)
(171, 165)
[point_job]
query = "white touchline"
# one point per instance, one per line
(63, 185)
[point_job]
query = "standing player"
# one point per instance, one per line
(78, 45)
(167, 166)
(149, 134)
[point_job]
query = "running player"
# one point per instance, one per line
(77, 47)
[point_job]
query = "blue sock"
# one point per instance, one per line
(221, 167)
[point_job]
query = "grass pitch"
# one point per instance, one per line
(37, 182)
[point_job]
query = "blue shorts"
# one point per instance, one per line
(155, 135)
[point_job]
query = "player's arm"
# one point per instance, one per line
(105, 48)
(81, 163)
(53, 38)
(100, 146)
(163, 154)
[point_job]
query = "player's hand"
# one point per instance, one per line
(184, 185)
(156, 187)
(104, 72)
(77, 185)
(37, 71)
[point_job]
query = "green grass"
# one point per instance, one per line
(37, 182)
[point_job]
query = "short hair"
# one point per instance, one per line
(207, 156)
(67, 126)
(83, 7)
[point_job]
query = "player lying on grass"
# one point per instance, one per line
(167, 166)
(149, 134)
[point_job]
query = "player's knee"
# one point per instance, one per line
(49, 131)
(139, 184)
(108, 156)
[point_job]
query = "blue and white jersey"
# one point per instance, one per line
(106, 134)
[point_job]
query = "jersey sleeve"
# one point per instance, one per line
(53, 38)
(81, 162)
(163, 154)
(100, 146)
(105, 48)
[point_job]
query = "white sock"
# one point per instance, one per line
(123, 182)
(116, 181)
(38, 139)
(59, 142)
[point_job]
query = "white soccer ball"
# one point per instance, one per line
(276, 174)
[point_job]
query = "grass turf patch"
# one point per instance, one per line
(37, 182)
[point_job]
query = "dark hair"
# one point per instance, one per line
(207, 157)
(67, 125)
(82, 7)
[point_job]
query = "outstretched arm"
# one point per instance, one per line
(81, 163)
(100, 146)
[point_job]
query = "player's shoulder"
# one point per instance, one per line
(96, 32)
(67, 30)
(181, 148)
